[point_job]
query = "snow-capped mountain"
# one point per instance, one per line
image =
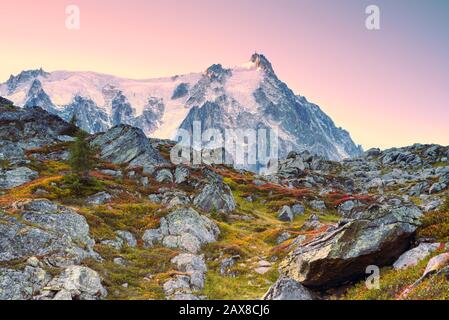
(246, 96)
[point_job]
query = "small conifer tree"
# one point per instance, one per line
(81, 156)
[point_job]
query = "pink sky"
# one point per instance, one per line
(387, 88)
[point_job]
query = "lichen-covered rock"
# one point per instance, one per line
(193, 269)
(23, 129)
(45, 229)
(318, 205)
(413, 256)
(298, 209)
(436, 264)
(127, 237)
(164, 176)
(81, 282)
(22, 284)
(183, 228)
(288, 289)
(181, 174)
(124, 144)
(285, 214)
(376, 236)
(151, 237)
(215, 196)
(16, 177)
(99, 198)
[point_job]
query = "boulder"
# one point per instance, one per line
(24, 129)
(183, 228)
(124, 144)
(181, 174)
(298, 209)
(215, 195)
(415, 255)
(164, 176)
(193, 278)
(312, 223)
(318, 205)
(116, 243)
(43, 228)
(22, 284)
(16, 177)
(81, 282)
(418, 189)
(284, 236)
(127, 237)
(285, 214)
(291, 167)
(376, 236)
(436, 264)
(288, 289)
(437, 187)
(99, 198)
(347, 206)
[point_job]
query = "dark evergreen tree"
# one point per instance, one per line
(81, 157)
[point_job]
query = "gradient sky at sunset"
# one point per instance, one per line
(387, 88)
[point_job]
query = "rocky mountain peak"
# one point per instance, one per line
(217, 72)
(23, 77)
(262, 62)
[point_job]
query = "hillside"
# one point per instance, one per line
(144, 228)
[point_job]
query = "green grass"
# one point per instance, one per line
(394, 282)
(435, 225)
(136, 218)
(144, 272)
(249, 286)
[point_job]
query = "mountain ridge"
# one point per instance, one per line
(250, 94)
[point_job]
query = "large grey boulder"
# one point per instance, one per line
(81, 282)
(183, 228)
(376, 236)
(288, 289)
(124, 144)
(43, 228)
(16, 177)
(293, 166)
(215, 195)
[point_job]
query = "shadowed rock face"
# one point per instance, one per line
(376, 236)
(124, 144)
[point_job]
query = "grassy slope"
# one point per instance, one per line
(252, 238)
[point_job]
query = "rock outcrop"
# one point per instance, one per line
(183, 228)
(215, 195)
(124, 144)
(378, 235)
(45, 229)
